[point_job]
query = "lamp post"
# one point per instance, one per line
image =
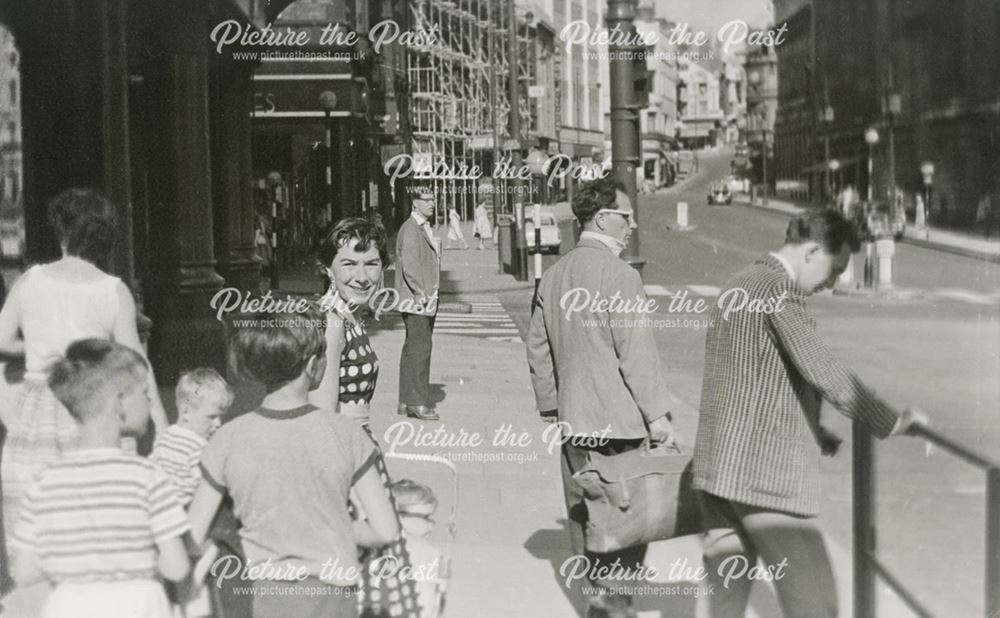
(328, 101)
(625, 105)
(762, 125)
(927, 171)
(272, 182)
(832, 166)
(826, 119)
(871, 138)
(520, 262)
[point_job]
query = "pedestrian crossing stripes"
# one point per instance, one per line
(488, 320)
(969, 297)
(700, 290)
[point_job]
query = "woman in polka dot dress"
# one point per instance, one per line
(354, 251)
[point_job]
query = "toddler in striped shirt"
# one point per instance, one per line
(203, 397)
(102, 525)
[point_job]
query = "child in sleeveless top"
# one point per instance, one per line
(102, 525)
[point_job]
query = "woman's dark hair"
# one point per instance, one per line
(84, 223)
(363, 232)
(594, 196)
(828, 228)
(273, 348)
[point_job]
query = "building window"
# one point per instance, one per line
(13, 93)
(651, 122)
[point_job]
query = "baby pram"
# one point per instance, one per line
(440, 475)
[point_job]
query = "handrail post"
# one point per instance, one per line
(992, 542)
(863, 477)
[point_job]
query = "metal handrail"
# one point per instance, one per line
(867, 566)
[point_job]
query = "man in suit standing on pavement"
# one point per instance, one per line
(593, 369)
(759, 441)
(418, 274)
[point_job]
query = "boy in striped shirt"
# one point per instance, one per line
(203, 397)
(101, 524)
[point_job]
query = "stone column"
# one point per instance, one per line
(183, 277)
(230, 103)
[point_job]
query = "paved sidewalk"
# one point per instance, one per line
(466, 274)
(941, 240)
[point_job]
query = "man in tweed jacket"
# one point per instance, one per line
(759, 440)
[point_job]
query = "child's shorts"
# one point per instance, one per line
(138, 598)
(310, 597)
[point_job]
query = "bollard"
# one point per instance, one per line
(885, 248)
(538, 254)
(920, 221)
(869, 267)
(846, 278)
(682, 215)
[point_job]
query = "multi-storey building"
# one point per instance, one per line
(922, 73)
(582, 75)
(795, 121)
(11, 205)
(658, 122)
(761, 69)
(733, 91)
(701, 115)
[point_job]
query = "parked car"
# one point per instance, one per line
(882, 221)
(719, 193)
(551, 238)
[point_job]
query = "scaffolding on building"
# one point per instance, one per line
(458, 97)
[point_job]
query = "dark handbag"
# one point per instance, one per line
(637, 497)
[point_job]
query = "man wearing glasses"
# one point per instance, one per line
(592, 368)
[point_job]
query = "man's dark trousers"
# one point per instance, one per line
(415, 360)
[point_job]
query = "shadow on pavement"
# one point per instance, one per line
(553, 545)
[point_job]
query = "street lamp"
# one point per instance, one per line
(272, 181)
(520, 257)
(826, 118)
(927, 171)
(833, 165)
(762, 123)
(328, 101)
(871, 138)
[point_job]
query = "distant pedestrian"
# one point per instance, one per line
(757, 451)
(984, 214)
(484, 227)
(595, 372)
(418, 275)
(455, 229)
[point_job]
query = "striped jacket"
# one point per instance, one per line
(766, 375)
